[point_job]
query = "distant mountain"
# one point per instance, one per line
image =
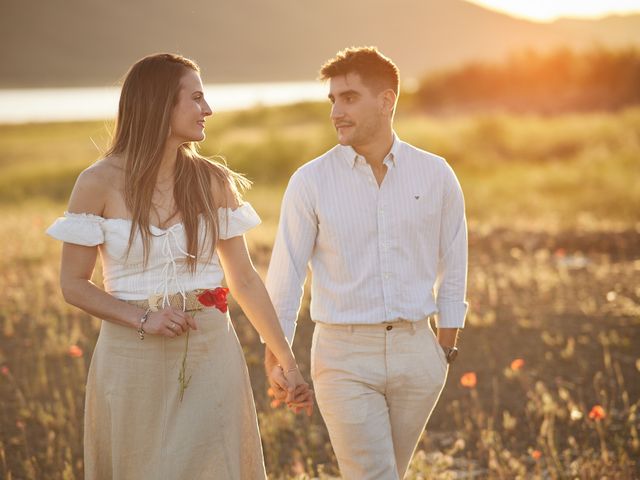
(92, 42)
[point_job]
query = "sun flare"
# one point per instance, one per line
(549, 10)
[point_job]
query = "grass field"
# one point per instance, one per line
(548, 381)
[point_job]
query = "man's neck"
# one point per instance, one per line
(377, 150)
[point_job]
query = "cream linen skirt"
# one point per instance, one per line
(135, 425)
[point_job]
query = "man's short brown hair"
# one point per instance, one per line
(376, 71)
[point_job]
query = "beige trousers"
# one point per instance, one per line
(376, 386)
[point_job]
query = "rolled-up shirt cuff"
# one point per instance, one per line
(451, 315)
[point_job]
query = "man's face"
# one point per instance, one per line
(357, 113)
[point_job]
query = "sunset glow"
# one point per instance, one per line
(549, 10)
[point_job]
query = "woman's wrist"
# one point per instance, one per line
(288, 363)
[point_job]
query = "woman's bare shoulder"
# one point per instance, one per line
(95, 185)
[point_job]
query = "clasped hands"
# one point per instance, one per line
(288, 386)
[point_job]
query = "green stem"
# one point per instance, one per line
(184, 382)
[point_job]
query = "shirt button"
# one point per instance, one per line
(389, 327)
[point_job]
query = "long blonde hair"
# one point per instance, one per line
(149, 94)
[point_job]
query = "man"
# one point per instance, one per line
(382, 225)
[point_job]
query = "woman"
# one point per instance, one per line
(168, 393)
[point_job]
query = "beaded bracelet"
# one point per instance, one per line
(143, 319)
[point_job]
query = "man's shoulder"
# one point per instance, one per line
(422, 155)
(315, 167)
(427, 160)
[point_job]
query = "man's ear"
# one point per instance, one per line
(388, 100)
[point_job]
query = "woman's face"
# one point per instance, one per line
(188, 116)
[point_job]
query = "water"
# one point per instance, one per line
(98, 103)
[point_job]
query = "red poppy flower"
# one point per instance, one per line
(517, 364)
(597, 413)
(469, 380)
(536, 454)
(75, 351)
(215, 298)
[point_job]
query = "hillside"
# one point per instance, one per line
(92, 42)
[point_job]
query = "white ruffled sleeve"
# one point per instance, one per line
(233, 223)
(78, 228)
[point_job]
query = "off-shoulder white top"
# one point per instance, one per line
(126, 277)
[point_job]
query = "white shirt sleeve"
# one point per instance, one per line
(78, 228)
(292, 250)
(233, 223)
(451, 282)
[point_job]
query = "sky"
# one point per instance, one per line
(549, 10)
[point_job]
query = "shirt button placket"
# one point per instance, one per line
(383, 252)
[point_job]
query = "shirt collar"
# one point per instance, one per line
(352, 157)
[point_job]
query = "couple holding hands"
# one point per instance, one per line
(381, 224)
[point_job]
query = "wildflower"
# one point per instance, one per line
(75, 351)
(209, 298)
(469, 380)
(215, 298)
(536, 454)
(517, 364)
(20, 424)
(5, 370)
(575, 414)
(597, 413)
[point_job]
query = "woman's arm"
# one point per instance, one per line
(247, 288)
(78, 262)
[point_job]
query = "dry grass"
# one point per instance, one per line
(552, 281)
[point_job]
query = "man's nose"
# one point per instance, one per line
(336, 112)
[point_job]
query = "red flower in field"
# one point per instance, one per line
(536, 454)
(517, 364)
(215, 298)
(597, 413)
(560, 252)
(75, 351)
(20, 424)
(5, 370)
(469, 380)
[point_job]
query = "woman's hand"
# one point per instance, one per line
(299, 395)
(169, 322)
